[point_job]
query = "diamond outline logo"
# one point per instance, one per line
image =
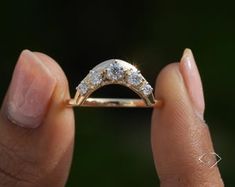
(217, 158)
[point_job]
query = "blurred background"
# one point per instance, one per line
(113, 145)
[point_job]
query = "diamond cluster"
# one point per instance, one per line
(115, 73)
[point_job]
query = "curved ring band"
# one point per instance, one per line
(114, 72)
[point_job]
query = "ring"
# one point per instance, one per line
(114, 72)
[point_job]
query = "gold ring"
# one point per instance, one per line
(114, 72)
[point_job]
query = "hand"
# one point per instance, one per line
(37, 131)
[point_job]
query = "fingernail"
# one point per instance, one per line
(193, 82)
(30, 91)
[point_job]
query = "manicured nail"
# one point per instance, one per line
(192, 80)
(30, 91)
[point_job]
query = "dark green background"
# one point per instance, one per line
(113, 145)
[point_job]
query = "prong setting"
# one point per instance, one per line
(115, 72)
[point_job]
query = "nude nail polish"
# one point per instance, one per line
(30, 91)
(192, 81)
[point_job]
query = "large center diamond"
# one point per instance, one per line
(115, 72)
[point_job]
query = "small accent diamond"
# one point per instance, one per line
(134, 78)
(115, 72)
(82, 88)
(95, 78)
(146, 89)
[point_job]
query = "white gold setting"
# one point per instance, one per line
(114, 71)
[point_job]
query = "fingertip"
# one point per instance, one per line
(178, 137)
(27, 102)
(169, 83)
(36, 99)
(55, 68)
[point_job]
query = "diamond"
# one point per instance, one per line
(82, 88)
(146, 89)
(134, 78)
(115, 72)
(95, 78)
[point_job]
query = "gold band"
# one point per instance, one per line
(114, 72)
(113, 102)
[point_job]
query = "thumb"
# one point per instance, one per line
(181, 142)
(36, 130)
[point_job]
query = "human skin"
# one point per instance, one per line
(34, 121)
